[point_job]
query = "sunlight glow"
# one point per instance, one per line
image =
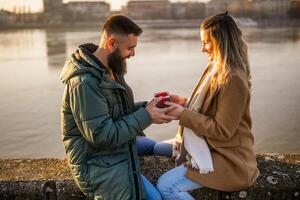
(37, 5)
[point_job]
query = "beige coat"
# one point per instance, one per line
(225, 122)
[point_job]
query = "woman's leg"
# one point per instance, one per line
(144, 145)
(151, 192)
(163, 148)
(175, 185)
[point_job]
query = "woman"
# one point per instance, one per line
(218, 112)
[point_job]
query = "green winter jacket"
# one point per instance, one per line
(99, 129)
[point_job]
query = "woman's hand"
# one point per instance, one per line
(177, 99)
(159, 115)
(176, 111)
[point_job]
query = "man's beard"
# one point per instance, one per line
(116, 63)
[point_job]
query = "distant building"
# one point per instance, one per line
(7, 18)
(188, 10)
(250, 8)
(269, 8)
(152, 9)
(179, 10)
(86, 11)
(234, 7)
(52, 6)
(216, 6)
(53, 10)
(294, 11)
(29, 18)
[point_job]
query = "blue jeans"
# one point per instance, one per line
(147, 146)
(175, 185)
(163, 148)
(151, 192)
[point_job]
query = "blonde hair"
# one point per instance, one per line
(230, 49)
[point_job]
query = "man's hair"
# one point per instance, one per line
(120, 24)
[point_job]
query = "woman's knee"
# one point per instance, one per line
(165, 187)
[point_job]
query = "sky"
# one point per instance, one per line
(37, 5)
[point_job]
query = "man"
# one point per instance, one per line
(99, 119)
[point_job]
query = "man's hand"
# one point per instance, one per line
(176, 111)
(177, 99)
(158, 115)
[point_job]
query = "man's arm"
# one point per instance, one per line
(138, 105)
(91, 113)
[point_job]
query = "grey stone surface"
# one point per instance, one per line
(51, 179)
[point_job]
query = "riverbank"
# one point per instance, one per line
(191, 23)
(51, 179)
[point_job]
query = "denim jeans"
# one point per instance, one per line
(147, 146)
(175, 185)
(144, 145)
(151, 192)
(163, 148)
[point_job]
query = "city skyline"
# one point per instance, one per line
(37, 5)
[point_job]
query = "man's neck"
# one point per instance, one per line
(102, 55)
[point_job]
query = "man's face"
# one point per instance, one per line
(125, 46)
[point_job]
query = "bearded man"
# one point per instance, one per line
(99, 119)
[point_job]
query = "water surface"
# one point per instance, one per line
(30, 88)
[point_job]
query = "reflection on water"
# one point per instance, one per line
(56, 48)
(170, 59)
(272, 35)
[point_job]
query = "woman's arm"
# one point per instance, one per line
(230, 108)
(179, 100)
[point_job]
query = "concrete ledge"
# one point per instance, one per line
(51, 179)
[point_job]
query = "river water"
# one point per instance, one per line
(166, 59)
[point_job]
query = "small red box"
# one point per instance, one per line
(165, 97)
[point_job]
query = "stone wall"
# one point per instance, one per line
(51, 179)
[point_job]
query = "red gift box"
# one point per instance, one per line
(165, 97)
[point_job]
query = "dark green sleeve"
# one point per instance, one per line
(138, 105)
(91, 113)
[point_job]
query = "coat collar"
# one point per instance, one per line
(211, 92)
(107, 82)
(209, 96)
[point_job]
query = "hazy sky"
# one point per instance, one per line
(36, 5)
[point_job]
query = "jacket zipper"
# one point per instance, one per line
(135, 178)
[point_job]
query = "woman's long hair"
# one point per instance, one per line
(230, 50)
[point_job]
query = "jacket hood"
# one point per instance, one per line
(80, 62)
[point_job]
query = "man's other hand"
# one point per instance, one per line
(158, 115)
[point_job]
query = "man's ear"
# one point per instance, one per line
(111, 44)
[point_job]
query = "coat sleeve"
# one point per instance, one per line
(91, 113)
(231, 104)
(138, 105)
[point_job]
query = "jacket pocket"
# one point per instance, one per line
(111, 171)
(108, 160)
(81, 176)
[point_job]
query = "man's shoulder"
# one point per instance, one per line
(87, 79)
(76, 72)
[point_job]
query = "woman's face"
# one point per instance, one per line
(207, 44)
